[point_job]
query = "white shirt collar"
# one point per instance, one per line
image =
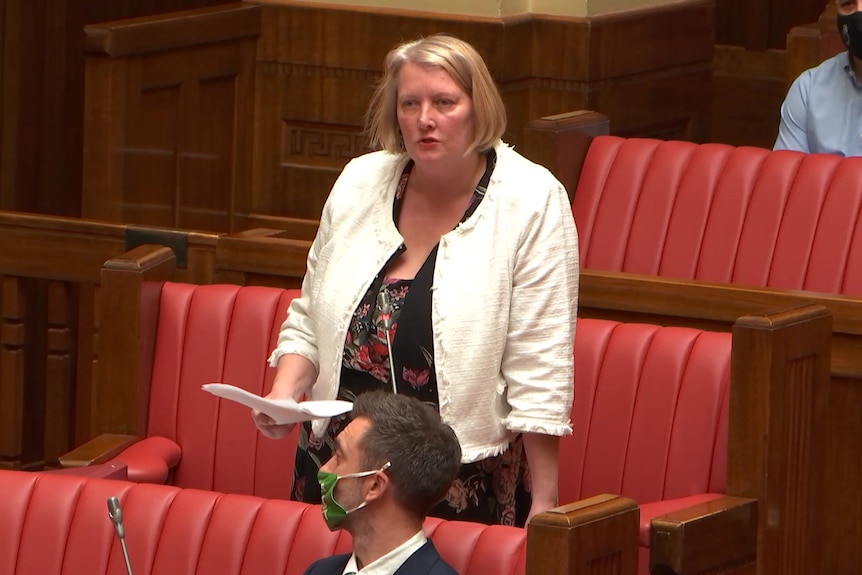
(389, 563)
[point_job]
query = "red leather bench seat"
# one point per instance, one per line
(649, 418)
(54, 524)
(720, 213)
(204, 334)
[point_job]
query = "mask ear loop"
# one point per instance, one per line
(358, 475)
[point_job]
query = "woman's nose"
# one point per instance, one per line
(426, 119)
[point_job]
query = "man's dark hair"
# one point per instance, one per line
(424, 452)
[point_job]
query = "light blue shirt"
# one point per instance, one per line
(822, 112)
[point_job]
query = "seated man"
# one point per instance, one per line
(391, 464)
(822, 112)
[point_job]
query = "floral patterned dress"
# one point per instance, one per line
(492, 490)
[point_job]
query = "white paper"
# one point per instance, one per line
(282, 411)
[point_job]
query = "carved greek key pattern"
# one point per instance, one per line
(318, 145)
(292, 69)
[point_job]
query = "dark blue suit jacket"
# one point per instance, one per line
(424, 561)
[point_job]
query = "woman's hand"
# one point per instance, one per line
(540, 506)
(293, 380)
(268, 427)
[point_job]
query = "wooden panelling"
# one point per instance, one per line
(41, 96)
(53, 394)
(841, 515)
(794, 402)
(169, 132)
(762, 24)
(748, 88)
(750, 85)
(650, 70)
(142, 35)
(35, 71)
(785, 14)
(15, 435)
(810, 44)
(8, 106)
(49, 311)
(169, 117)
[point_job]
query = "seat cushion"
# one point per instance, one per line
(54, 523)
(218, 333)
(720, 213)
(649, 417)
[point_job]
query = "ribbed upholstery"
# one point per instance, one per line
(649, 417)
(54, 524)
(215, 333)
(720, 213)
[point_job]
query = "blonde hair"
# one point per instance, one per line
(466, 67)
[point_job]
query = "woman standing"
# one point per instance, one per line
(465, 254)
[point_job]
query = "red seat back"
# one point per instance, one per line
(650, 412)
(720, 213)
(218, 333)
(55, 524)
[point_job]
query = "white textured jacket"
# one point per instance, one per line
(504, 300)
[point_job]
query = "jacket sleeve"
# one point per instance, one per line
(297, 334)
(538, 359)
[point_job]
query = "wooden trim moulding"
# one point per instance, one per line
(173, 30)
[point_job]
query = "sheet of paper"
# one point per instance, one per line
(280, 410)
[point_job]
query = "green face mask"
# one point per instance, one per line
(333, 512)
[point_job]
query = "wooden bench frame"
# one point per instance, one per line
(49, 324)
(561, 142)
(50, 301)
(258, 257)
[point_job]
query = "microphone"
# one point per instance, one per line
(116, 515)
(385, 307)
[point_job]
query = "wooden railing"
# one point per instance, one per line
(51, 311)
(49, 324)
(564, 140)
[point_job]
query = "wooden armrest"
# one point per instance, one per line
(576, 539)
(560, 143)
(718, 536)
(116, 470)
(98, 450)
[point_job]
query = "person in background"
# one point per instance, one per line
(391, 464)
(822, 112)
(445, 268)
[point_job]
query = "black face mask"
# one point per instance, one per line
(850, 29)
